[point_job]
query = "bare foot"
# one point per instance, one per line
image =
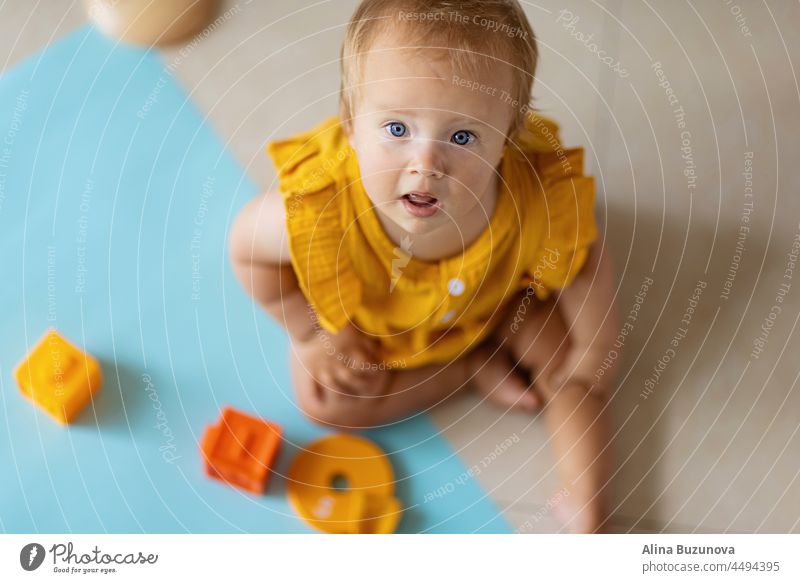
(564, 514)
(496, 377)
(575, 522)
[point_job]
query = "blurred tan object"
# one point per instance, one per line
(151, 22)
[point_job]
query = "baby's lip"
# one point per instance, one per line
(420, 196)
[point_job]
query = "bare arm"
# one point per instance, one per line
(587, 306)
(259, 252)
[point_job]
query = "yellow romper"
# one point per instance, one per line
(431, 311)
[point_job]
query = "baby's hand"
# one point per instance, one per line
(341, 362)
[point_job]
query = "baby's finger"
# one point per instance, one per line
(366, 373)
(358, 384)
(361, 388)
(373, 348)
(343, 380)
(326, 378)
(362, 365)
(379, 382)
(370, 353)
(369, 345)
(361, 359)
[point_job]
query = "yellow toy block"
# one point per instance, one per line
(59, 377)
(366, 505)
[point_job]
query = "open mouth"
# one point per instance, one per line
(421, 205)
(420, 200)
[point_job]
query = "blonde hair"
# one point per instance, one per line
(475, 35)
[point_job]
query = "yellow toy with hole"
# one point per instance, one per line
(366, 506)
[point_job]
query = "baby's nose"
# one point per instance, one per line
(427, 172)
(427, 161)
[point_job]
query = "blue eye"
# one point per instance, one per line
(463, 137)
(397, 129)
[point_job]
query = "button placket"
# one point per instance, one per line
(456, 286)
(448, 315)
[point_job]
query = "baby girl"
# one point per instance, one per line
(436, 234)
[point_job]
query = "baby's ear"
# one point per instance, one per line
(347, 127)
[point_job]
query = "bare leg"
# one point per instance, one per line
(501, 379)
(581, 435)
(575, 419)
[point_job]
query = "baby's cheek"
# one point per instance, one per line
(379, 167)
(378, 184)
(476, 177)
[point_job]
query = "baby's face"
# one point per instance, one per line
(428, 144)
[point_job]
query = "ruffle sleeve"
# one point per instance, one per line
(310, 168)
(565, 208)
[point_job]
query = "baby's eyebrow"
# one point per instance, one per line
(469, 120)
(415, 112)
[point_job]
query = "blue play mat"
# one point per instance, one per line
(115, 200)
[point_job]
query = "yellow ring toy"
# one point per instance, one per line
(366, 505)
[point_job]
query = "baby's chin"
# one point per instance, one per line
(416, 226)
(396, 212)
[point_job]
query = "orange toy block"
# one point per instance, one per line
(241, 449)
(59, 377)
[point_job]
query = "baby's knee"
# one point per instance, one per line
(578, 390)
(330, 408)
(539, 340)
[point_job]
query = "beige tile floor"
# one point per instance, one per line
(715, 447)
